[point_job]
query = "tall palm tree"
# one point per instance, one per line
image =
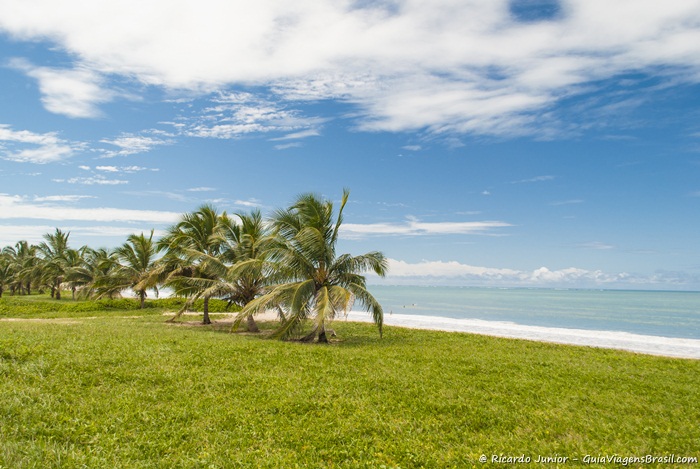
(192, 246)
(316, 283)
(55, 260)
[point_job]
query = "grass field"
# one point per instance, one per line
(120, 388)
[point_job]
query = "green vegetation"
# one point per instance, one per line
(289, 265)
(122, 388)
(40, 306)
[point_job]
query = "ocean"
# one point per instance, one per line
(657, 322)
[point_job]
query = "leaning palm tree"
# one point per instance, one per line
(192, 246)
(315, 283)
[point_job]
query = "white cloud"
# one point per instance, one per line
(92, 181)
(63, 198)
(109, 169)
(414, 227)
(129, 144)
(29, 147)
(235, 115)
(17, 207)
(297, 135)
(288, 145)
(447, 66)
(201, 189)
(123, 169)
(412, 147)
(455, 273)
(11, 234)
(252, 203)
(74, 93)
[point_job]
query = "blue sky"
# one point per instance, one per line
(485, 142)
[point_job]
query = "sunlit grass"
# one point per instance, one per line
(125, 391)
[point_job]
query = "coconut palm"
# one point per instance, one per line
(316, 283)
(75, 265)
(131, 265)
(190, 266)
(6, 273)
(96, 273)
(249, 244)
(25, 266)
(55, 262)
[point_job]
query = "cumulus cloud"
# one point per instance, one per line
(71, 92)
(30, 147)
(477, 66)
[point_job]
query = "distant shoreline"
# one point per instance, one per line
(638, 343)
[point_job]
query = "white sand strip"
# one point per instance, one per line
(665, 346)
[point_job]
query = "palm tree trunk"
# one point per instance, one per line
(252, 326)
(206, 319)
(142, 297)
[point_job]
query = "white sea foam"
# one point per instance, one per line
(665, 346)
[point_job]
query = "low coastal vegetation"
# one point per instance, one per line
(286, 264)
(108, 384)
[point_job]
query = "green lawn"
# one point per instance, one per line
(123, 389)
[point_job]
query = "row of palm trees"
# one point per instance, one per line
(287, 263)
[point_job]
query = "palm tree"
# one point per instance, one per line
(192, 247)
(132, 266)
(24, 263)
(96, 273)
(75, 264)
(316, 283)
(55, 260)
(249, 246)
(6, 273)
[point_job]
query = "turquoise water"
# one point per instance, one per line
(664, 314)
